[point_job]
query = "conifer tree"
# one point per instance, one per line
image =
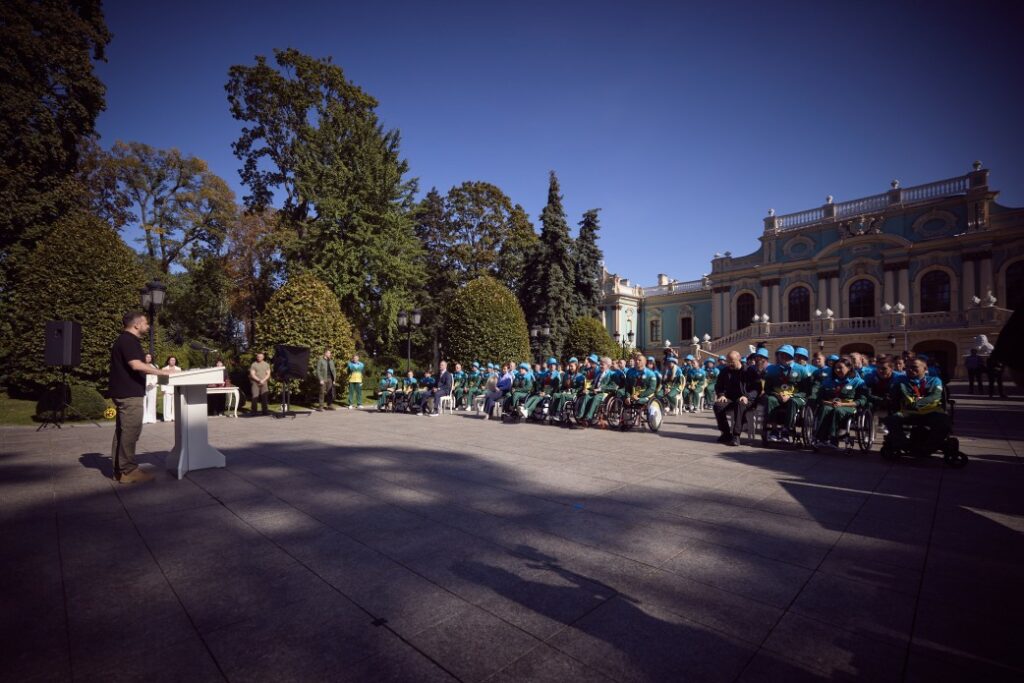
(587, 264)
(550, 275)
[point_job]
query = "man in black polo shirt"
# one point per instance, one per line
(127, 388)
(731, 393)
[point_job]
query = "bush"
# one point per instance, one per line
(82, 271)
(304, 312)
(587, 336)
(485, 322)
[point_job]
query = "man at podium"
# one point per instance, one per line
(127, 388)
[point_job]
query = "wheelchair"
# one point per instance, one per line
(650, 414)
(916, 434)
(403, 402)
(610, 411)
(802, 435)
(389, 403)
(857, 430)
(541, 411)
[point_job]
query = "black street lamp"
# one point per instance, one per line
(892, 341)
(539, 333)
(621, 340)
(408, 321)
(153, 296)
(821, 344)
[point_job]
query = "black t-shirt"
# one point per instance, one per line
(125, 382)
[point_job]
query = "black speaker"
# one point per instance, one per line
(290, 362)
(63, 343)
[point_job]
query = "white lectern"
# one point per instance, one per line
(192, 449)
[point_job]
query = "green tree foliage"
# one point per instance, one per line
(586, 336)
(587, 257)
(485, 321)
(84, 272)
(304, 312)
(198, 305)
(49, 100)
(253, 266)
(549, 276)
(516, 249)
(182, 208)
(313, 138)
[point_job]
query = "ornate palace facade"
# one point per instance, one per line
(924, 268)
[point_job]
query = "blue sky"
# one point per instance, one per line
(683, 122)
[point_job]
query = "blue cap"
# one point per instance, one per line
(689, 356)
(763, 352)
(801, 351)
(709, 360)
(650, 359)
(833, 358)
(593, 358)
(923, 357)
(524, 366)
(476, 364)
(573, 360)
(787, 349)
(390, 371)
(672, 359)
(552, 361)
(721, 358)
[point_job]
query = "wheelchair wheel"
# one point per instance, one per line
(655, 414)
(577, 410)
(613, 409)
(866, 429)
(952, 455)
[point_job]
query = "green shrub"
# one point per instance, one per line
(485, 322)
(82, 271)
(85, 401)
(304, 312)
(587, 336)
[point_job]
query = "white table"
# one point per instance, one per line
(192, 449)
(234, 398)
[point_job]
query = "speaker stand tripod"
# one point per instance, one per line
(55, 418)
(286, 400)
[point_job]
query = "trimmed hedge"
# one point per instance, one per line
(485, 322)
(587, 336)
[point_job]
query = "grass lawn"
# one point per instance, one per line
(14, 411)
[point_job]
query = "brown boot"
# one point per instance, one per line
(136, 476)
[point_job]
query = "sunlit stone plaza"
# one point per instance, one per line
(363, 546)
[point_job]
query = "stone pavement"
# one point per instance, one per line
(360, 546)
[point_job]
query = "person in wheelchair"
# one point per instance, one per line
(838, 397)
(570, 385)
(387, 387)
(522, 387)
(711, 372)
(917, 401)
(605, 384)
(408, 391)
(879, 386)
(641, 387)
(784, 398)
(545, 388)
(693, 385)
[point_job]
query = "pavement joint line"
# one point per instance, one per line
(64, 596)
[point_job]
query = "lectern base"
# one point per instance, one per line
(192, 449)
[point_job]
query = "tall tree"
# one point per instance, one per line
(252, 263)
(313, 139)
(587, 259)
(516, 249)
(549, 276)
(182, 208)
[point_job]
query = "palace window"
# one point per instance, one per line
(1014, 286)
(655, 331)
(744, 310)
(862, 299)
(685, 330)
(799, 305)
(935, 291)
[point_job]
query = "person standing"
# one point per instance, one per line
(171, 367)
(326, 372)
(259, 374)
(355, 383)
(152, 391)
(127, 389)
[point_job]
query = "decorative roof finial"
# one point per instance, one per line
(771, 212)
(895, 184)
(828, 199)
(976, 165)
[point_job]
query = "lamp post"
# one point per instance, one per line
(892, 341)
(539, 333)
(152, 297)
(821, 344)
(621, 340)
(408, 321)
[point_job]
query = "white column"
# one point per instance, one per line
(716, 314)
(888, 291)
(904, 292)
(833, 297)
(986, 282)
(762, 305)
(776, 304)
(967, 285)
(822, 302)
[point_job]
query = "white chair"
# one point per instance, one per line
(449, 401)
(478, 403)
(677, 406)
